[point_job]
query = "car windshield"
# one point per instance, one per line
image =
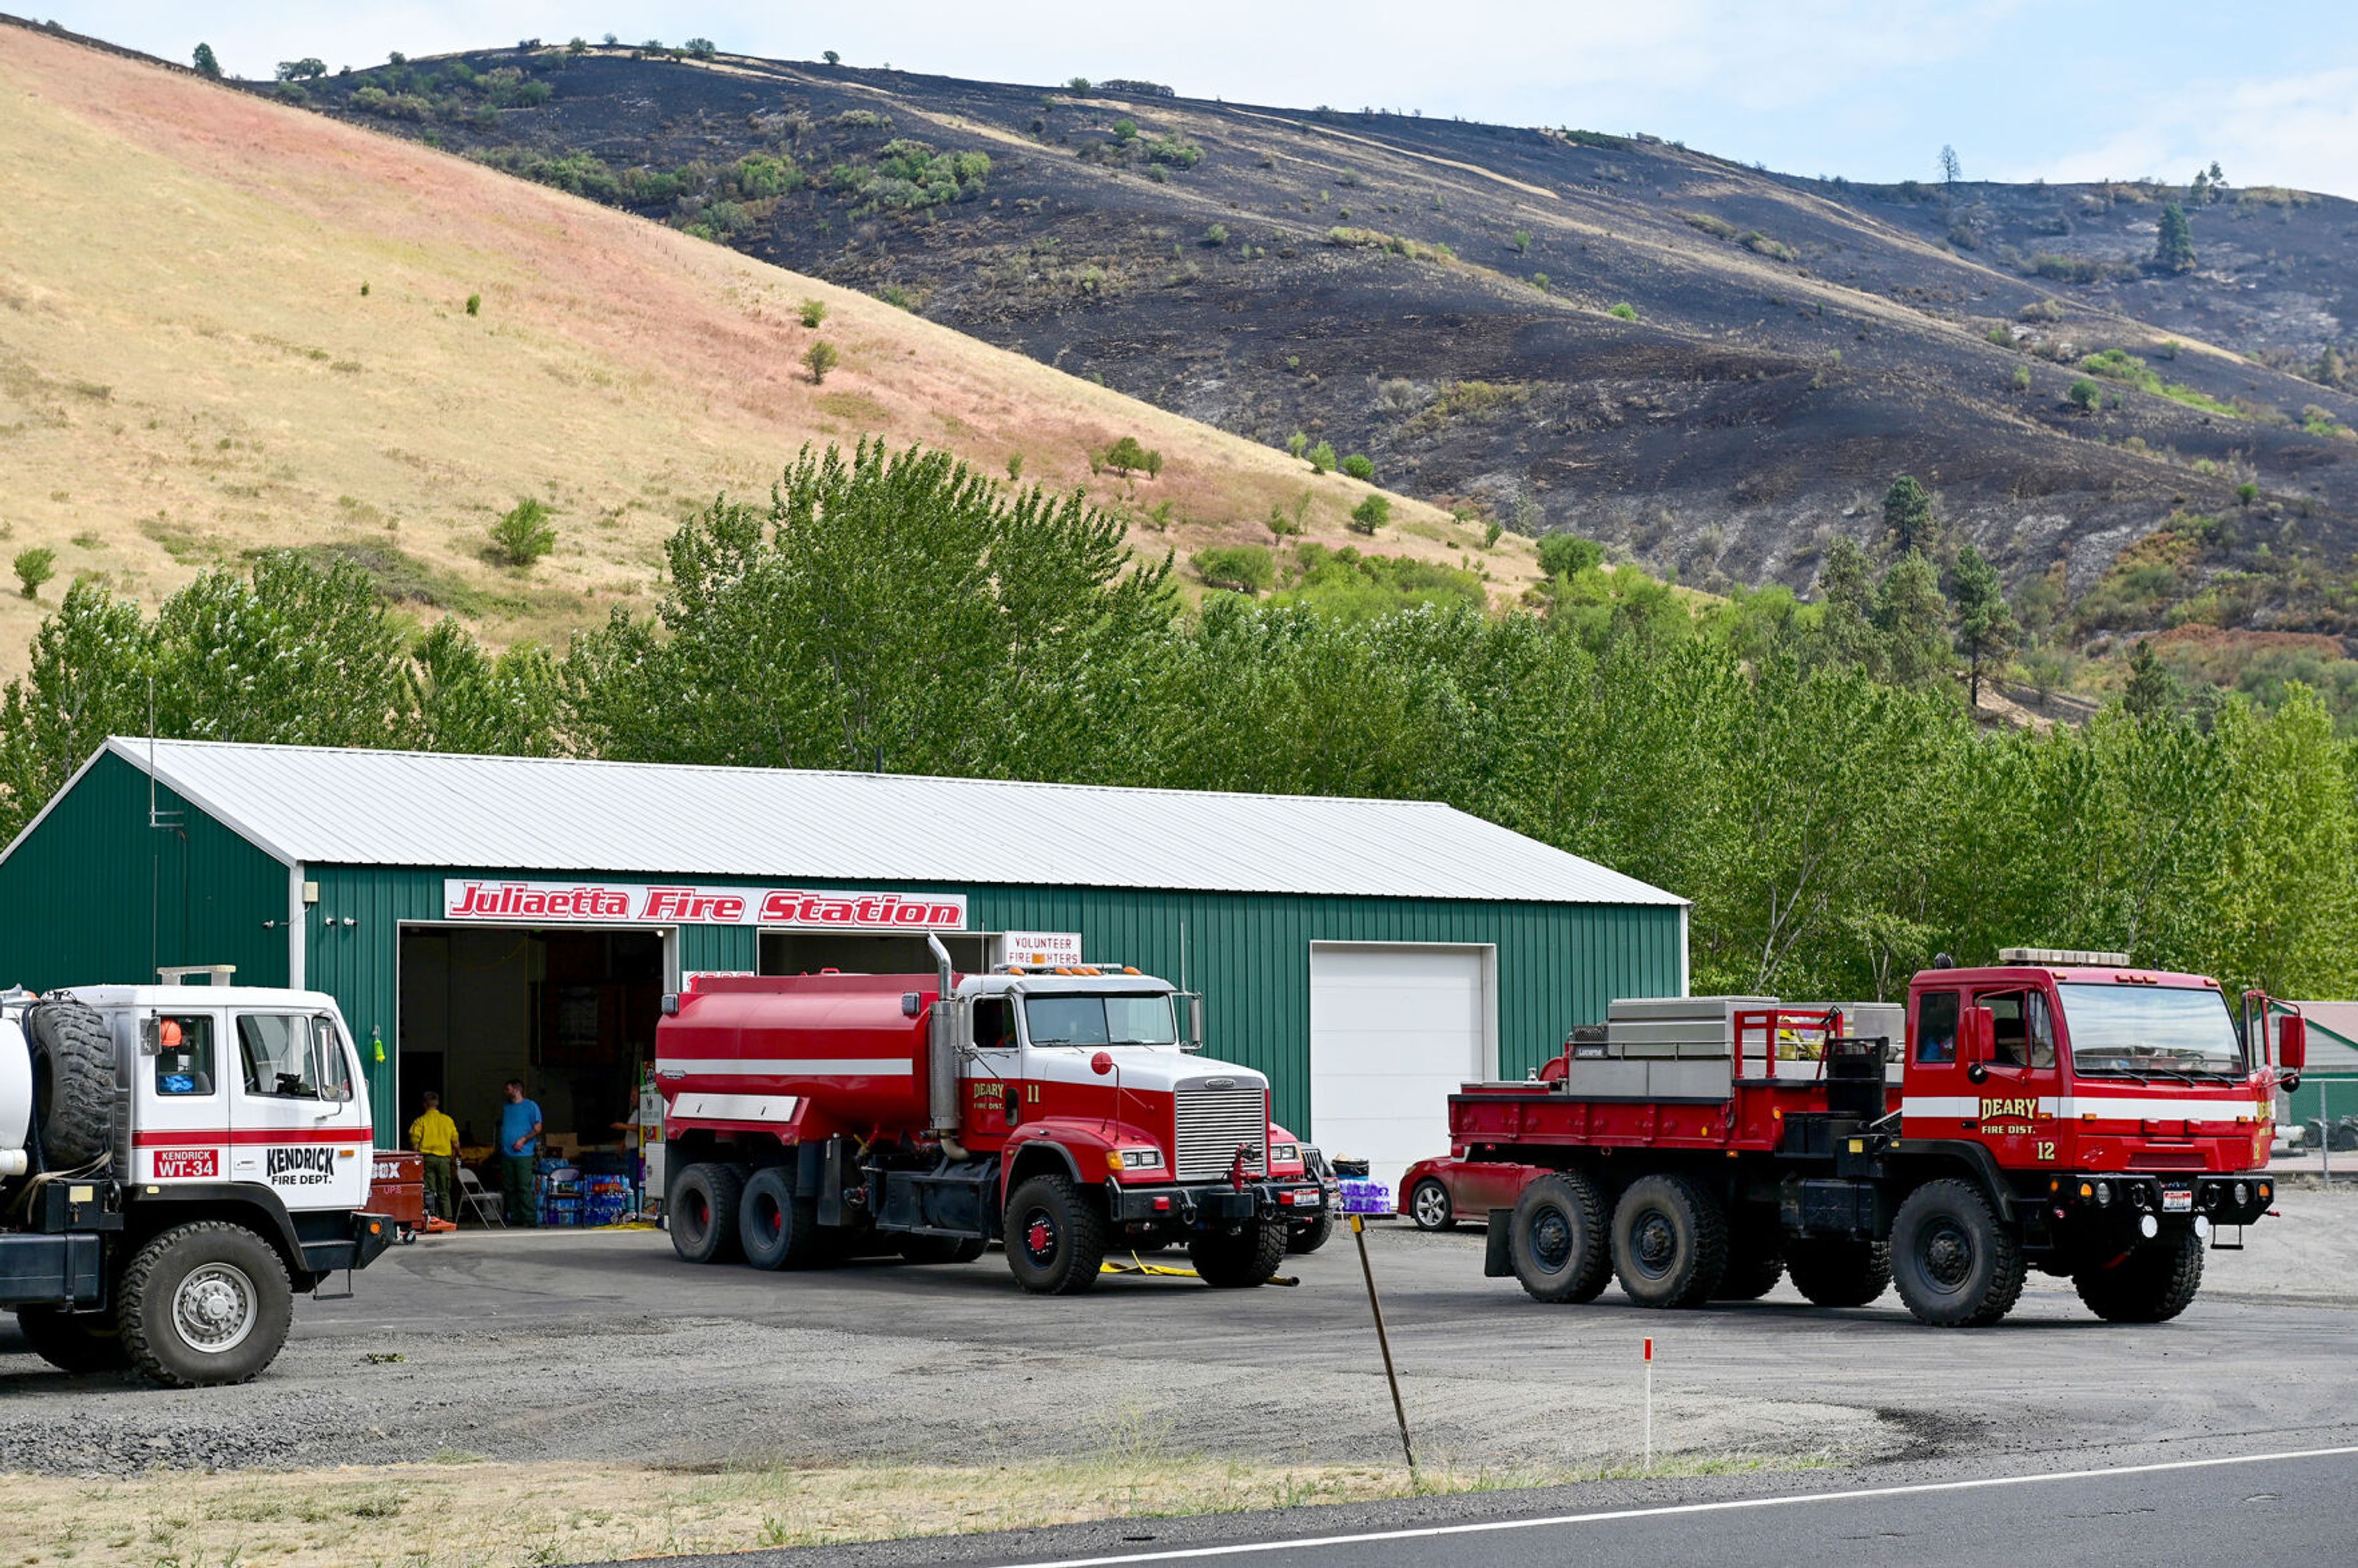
(2151, 1031)
(1101, 1019)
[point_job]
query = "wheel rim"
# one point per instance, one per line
(1552, 1240)
(1656, 1244)
(1040, 1238)
(1944, 1254)
(213, 1310)
(1432, 1205)
(696, 1209)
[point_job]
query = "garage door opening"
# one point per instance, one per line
(571, 1012)
(1394, 1030)
(868, 952)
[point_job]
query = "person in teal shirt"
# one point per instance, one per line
(519, 1143)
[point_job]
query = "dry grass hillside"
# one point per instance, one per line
(226, 324)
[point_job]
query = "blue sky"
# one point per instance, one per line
(2023, 91)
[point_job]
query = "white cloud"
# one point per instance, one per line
(2297, 130)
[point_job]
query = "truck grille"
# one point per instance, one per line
(1212, 1123)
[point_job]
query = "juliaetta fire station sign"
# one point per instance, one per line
(476, 901)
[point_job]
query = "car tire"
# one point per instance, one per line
(76, 1341)
(1556, 1239)
(1055, 1238)
(702, 1212)
(1430, 1206)
(1837, 1272)
(2153, 1283)
(73, 1082)
(204, 1304)
(776, 1229)
(1240, 1261)
(1957, 1263)
(1311, 1236)
(1670, 1242)
(1756, 1262)
(942, 1248)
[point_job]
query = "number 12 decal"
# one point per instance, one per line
(2046, 1150)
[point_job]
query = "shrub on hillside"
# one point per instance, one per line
(1372, 513)
(474, 305)
(2086, 395)
(813, 312)
(1239, 569)
(524, 535)
(819, 359)
(34, 567)
(1568, 555)
(1322, 457)
(1358, 466)
(1625, 311)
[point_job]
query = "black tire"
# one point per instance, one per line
(1055, 1238)
(205, 1305)
(942, 1248)
(1956, 1265)
(73, 1082)
(1839, 1272)
(1756, 1262)
(1556, 1239)
(1429, 1205)
(2153, 1285)
(775, 1229)
(1310, 1238)
(1240, 1261)
(73, 1342)
(702, 1212)
(1670, 1242)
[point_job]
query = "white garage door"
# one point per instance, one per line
(1393, 1031)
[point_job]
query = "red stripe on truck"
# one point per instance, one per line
(205, 1137)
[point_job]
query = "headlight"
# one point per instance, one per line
(1284, 1154)
(2104, 1194)
(2243, 1194)
(1141, 1159)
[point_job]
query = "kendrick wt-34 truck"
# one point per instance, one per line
(175, 1161)
(2059, 1110)
(1063, 1112)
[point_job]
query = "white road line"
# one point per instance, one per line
(1488, 1526)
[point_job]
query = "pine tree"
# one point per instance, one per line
(1914, 618)
(2173, 248)
(1846, 627)
(1908, 516)
(2152, 692)
(1986, 632)
(207, 63)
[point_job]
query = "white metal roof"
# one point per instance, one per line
(331, 806)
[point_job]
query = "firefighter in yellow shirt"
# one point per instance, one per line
(436, 1136)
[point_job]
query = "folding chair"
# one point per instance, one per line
(489, 1206)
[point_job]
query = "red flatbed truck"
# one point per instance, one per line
(2059, 1110)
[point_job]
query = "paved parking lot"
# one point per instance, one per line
(600, 1346)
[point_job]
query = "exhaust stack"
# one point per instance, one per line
(942, 1053)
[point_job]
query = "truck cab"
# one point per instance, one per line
(183, 1159)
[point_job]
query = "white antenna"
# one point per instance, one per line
(159, 819)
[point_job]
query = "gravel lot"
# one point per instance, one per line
(599, 1346)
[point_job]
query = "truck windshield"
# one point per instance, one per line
(2149, 1031)
(1100, 1021)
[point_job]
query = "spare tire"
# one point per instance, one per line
(73, 1082)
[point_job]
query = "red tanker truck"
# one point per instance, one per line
(1061, 1111)
(2061, 1111)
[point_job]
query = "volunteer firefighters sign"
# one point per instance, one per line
(472, 901)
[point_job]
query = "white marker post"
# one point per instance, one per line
(1649, 1402)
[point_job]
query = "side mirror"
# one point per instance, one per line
(1191, 1021)
(1977, 1042)
(2292, 1041)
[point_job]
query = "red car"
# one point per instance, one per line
(1437, 1194)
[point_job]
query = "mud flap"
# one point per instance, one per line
(1498, 1258)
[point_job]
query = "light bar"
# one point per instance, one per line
(2050, 957)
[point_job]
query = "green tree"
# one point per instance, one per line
(1907, 517)
(208, 64)
(831, 56)
(523, 534)
(1522, 241)
(1848, 633)
(1322, 457)
(868, 615)
(1568, 555)
(1127, 457)
(812, 311)
(819, 359)
(465, 700)
(1986, 632)
(2086, 395)
(2173, 248)
(1241, 568)
(1297, 443)
(2245, 493)
(90, 664)
(1373, 512)
(310, 68)
(1914, 620)
(1358, 466)
(35, 565)
(2152, 692)
(1951, 171)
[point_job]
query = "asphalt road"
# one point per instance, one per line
(2286, 1508)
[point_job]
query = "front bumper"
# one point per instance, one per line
(2128, 1195)
(1211, 1203)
